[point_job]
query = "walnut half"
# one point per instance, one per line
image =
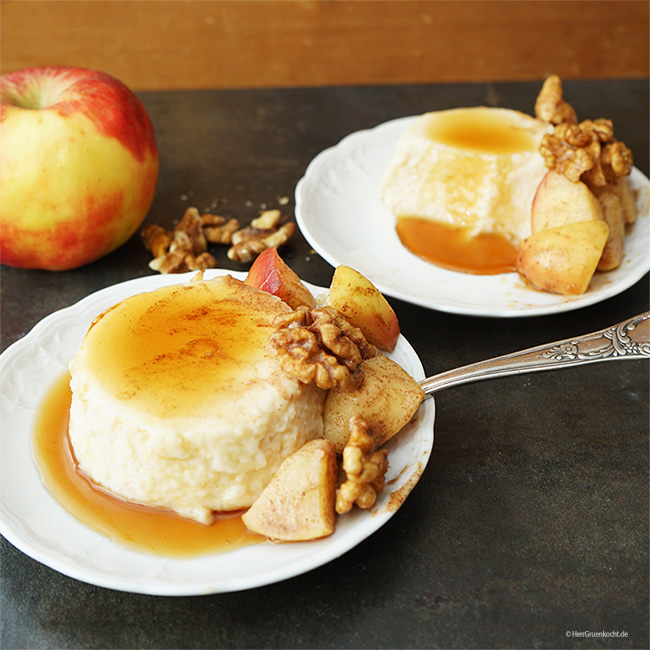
(266, 231)
(586, 151)
(550, 105)
(320, 346)
(365, 469)
(183, 249)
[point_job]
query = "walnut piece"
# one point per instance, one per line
(550, 105)
(365, 469)
(586, 151)
(186, 247)
(179, 258)
(566, 158)
(263, 232)
(218, 229)
(183, 249)
(617, 157)
(191, 226)
(157, 239)
(320, 346)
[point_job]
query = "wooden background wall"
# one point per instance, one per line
(177, 44)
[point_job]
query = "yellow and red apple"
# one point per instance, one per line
(78, 168)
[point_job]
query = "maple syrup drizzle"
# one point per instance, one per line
(452, 248)
(137, 527)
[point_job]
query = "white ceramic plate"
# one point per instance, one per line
(340, 213)
(35, 523)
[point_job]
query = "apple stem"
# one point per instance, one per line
(37, 95)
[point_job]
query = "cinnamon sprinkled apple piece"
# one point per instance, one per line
(582, 205)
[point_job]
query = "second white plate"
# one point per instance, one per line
(340, 213)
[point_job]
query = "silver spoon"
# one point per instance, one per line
(629, 339)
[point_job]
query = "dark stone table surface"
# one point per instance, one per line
(529, 528)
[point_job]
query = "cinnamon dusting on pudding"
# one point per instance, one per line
(178, 403)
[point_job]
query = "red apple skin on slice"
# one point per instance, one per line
(270, 273)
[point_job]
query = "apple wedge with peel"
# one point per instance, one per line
(563, 259)
(298, 503)
(364, 306)
(270, 273)
(560, 201)
(387, 399)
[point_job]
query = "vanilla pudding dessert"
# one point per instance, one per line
(461, 184)
(177, 403)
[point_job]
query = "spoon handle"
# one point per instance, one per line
(627, 340)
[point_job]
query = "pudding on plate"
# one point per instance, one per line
(177, 402)
(461, 184)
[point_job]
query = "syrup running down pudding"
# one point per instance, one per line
(177, 403)
(461, 184)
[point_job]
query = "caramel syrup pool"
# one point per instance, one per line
(137, 527)
(452, 248)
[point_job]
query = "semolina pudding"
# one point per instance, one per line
(467, 171)
(177, 403)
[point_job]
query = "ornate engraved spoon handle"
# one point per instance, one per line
(627, 340)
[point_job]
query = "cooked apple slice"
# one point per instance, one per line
(364, 306)
(387, 400)
(270, 273)
(563, 259)
(298, 503)
(559, 201)
(623, 187)
(614, 217)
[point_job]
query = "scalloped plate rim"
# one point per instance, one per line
(512, 298)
